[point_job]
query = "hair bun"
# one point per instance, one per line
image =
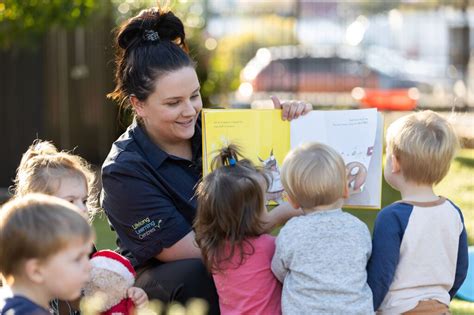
(167, 26)
(40, 147)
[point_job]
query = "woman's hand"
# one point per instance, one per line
(138, 296)
(291, 109)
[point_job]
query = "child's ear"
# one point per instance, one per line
(395, 164)
(346, 192)
(293, 203)
(34, 270)
(137, 105)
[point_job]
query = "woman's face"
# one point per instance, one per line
(169, 114)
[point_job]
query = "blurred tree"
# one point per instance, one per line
(235, 50)
(22, 22)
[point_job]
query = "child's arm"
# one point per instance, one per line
(279, 215)
(462, 263)
(278, 264)
(386, 243)
(138, 296)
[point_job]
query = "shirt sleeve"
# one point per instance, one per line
(462, 260)
(143, 215)
(387, 238)
(279, 265)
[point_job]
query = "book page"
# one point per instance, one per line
(263, 137)
(352, 133)
(371, 196)
(261, 134)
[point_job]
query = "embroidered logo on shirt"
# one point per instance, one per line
(146, 227)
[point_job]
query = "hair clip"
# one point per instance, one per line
(150, 35)
(232, 161)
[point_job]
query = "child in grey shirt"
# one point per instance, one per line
(321, 257)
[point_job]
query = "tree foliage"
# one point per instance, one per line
(22, 22)
(235, 50)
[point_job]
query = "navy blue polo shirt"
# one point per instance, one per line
(148, 195)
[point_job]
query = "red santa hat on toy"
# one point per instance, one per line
(112, 261)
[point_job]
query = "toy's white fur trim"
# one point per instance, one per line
(114, 266)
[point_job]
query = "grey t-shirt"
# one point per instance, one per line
(321, 259)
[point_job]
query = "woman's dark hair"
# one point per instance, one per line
(148, 46)
(230, 204)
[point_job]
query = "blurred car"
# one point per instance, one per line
(301, 70)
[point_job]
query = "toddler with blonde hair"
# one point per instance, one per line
(419, 257)
(321, 257)
(44, 169)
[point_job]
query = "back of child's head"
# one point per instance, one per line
(42, 168)
(424, 144)
(231, 201)
(314, 174)
(37, 226)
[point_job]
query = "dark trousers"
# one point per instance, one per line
(178, 281)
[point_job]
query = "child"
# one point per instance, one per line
(230, 230)
(419, 257)
(38, 269)
(43, 169)
(321, 257)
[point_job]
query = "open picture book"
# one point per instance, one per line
(265, 139)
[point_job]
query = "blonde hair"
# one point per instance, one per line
(37, 226)
(424, 144)
(314, 175)
(42, 167)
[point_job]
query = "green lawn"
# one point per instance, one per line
(457, 186)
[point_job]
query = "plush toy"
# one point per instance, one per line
(111, 276)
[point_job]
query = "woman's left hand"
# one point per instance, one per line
(291, 109)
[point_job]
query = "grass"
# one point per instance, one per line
(457, 186)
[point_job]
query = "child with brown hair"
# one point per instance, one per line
(231, 229)
(38, 269)
(420, 254)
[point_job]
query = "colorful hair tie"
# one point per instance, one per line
(232, 161)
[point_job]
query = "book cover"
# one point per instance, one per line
(265, 139)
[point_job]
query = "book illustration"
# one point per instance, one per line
(356, 176)
(265, 139)
(275, 191)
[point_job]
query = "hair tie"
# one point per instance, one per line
(151, 35)
(232, 161)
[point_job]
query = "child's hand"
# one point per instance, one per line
(138, 296)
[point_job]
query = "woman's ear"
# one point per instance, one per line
(138, 106)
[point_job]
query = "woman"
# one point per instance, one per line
(151, 171)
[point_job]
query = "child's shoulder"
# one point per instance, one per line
(353, 220)
(396, 209)
(263, 240)
(22, 305)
